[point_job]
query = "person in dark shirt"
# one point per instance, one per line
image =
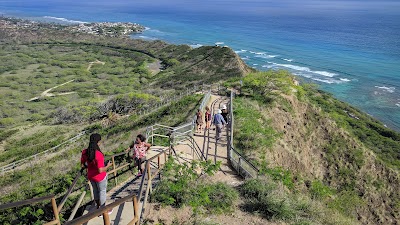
(225, 113)
(219, 122)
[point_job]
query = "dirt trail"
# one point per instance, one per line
(155, 67)
(47, 93)
(94, 62)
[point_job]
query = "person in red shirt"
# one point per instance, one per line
(93, 159)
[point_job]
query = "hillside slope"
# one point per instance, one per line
(333, 151)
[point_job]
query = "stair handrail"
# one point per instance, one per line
(240, 164)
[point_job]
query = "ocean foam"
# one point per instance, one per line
(344, 79)
(196, 46)
(268, 66)
(288, 60)
(241, 51)
(265, 56)
(306, 69)
(63, 19)
(324, 81)
(153, 30)
(324, 73)
(388, 89)
(255, 64)
(219, 43)
(147, 37)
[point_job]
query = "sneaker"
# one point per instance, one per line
(110, 211)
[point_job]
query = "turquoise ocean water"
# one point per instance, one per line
(350, 48)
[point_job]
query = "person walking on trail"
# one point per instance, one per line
(199, 120)
(207, 117)
(140, 148)
(219, 122)
(225, 113)
(93, 160)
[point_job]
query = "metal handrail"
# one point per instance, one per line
(195, 147)
(231, 149)
(147, 174)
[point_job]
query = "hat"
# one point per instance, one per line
(224, 107)
(219, 111)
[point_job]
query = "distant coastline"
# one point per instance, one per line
(117, 29)
(376, 97)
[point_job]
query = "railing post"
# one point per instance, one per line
(55, 211)
(106, 218)
(152, 135)
(115, 172)
(71, 217)
(135, 209)
(149, 176)
(91, 190)
(239, 164)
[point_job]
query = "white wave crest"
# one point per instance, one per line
(147, 37)
(306, 69)
(196, 46)
(288, 60)
(264, 55)
(241, 51)
(325, 74)
(219, 43)
(63, 19)
(267, 66)
(344, 79)
(325, 81)
(388, 89)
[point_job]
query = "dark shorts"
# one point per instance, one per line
(140, 161)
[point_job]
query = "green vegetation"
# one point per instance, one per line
(182, 185)
(252, 129)
(48, 178)
(273, 202)
(44, 138)
(372, 133)
(300, 120)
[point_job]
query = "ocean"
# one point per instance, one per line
(349, 48)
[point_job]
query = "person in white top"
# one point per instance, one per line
(139, 148)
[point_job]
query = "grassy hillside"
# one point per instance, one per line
(56, 84)
(319, 146)
(324, 161)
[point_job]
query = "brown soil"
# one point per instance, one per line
(155, 67)
(157, 214)
(306, 132)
